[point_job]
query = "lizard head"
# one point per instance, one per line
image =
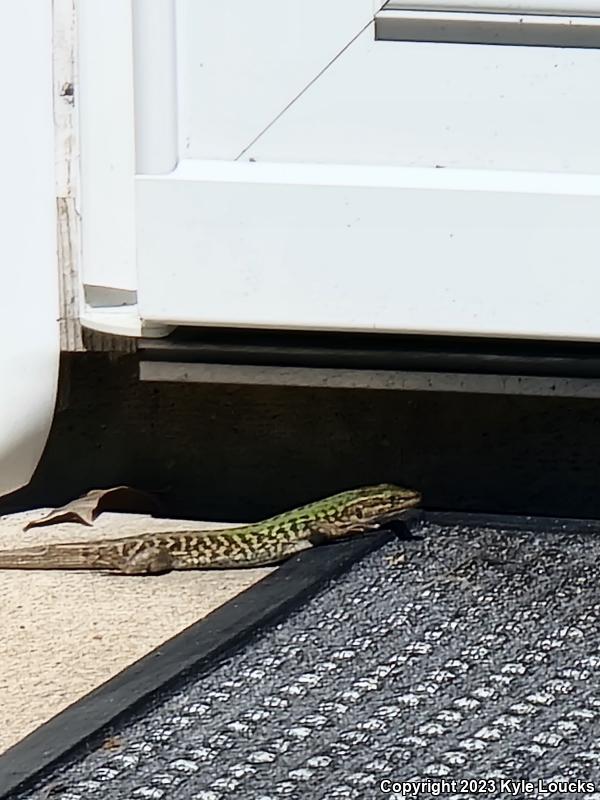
(372, 505)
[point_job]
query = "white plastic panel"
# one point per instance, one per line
(348, 219)
(29, 332)
(155, 86)
(422, 104)
(366, 248)
(107, 135)
(240, 63)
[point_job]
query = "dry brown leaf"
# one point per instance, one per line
(85, 509)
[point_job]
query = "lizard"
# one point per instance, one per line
(252, 545)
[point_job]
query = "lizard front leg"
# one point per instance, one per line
(152, 560)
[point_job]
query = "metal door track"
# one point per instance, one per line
(374, 361)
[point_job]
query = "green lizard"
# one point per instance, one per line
(254, 545)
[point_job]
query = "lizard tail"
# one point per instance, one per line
(55, 556)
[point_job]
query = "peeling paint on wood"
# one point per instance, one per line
(68, 224)
(67, 169)
(66, 156)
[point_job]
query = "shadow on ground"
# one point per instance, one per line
(240, 453)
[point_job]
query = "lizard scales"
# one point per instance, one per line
(257, 544)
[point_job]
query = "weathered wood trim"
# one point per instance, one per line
(68, 188)
(66, 152)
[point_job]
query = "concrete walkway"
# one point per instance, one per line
(64, 633)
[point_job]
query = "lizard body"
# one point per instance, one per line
(257, 544)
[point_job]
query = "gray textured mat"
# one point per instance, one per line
(476, 657)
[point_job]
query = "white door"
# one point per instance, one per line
(324, 164)
(29, 304)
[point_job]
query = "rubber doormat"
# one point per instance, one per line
(464, 662)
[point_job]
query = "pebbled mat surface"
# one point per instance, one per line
(478, 656)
